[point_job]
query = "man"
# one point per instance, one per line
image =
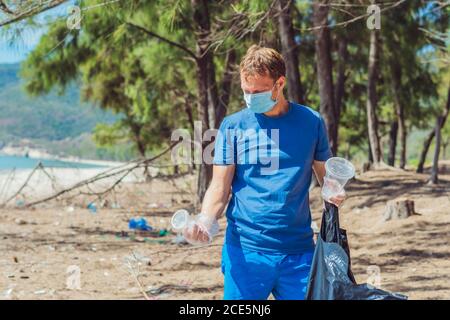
(269, 243)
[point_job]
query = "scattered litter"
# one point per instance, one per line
(121, 234)
(43, 291)
(159, 241)
(106, 274)
(155, 205)
(179, 239)
(20, 221)
(70, 209)
(20, 203)
(137, 258)
(163, 232)
(115, 205)
(51, 248)
(139, 224)
(8, 292)
(92, 207)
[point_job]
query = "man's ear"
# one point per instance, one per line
(282, 82)
(283, 78)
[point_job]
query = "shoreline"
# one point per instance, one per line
(36, 154)
(42, 184)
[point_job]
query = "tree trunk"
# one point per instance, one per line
(372, 100)
(423, 154)
(396, 74)
(341, 77)
(325, 70)
(213, 94)
(189, 114)
(427, 142)
(435, 169)
(207, 87)
(225, 88)
(444, 150)
(369, 152)
(136, 129)
(289, 50)
(392, 142)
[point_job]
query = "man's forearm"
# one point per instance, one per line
(215, 201)
(319, 178)
(319, 170)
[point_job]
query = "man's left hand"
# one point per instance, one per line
(338, 199)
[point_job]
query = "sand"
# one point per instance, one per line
(44, 248)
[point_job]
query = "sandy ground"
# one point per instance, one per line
(46, 250)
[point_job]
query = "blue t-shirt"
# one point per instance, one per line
(269, 206)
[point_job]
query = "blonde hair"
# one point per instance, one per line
(262, 61)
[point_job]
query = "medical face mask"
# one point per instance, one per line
(260, 102)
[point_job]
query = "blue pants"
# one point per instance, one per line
(252, 275)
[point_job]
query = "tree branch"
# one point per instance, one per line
(4, 7)
(18, 16)
(169, 42)
(347, 22)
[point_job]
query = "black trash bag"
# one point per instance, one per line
(331, 277)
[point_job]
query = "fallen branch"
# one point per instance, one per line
(133, 266)
(8, 181)
(39, 165)
(106, 174)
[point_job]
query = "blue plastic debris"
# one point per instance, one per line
(139, 224)
(92, 207)
(20, 203)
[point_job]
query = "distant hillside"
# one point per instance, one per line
(45, 118)
(50, 117)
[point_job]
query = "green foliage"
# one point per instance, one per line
(152, 84)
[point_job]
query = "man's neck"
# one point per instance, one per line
(279, 109)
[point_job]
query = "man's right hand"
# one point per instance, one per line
(196, 234)
(205, 225)
(202, 230)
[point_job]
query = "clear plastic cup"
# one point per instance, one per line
(180, 219)
(337, 173)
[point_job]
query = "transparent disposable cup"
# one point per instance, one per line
(180, 220)
(337, 173)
